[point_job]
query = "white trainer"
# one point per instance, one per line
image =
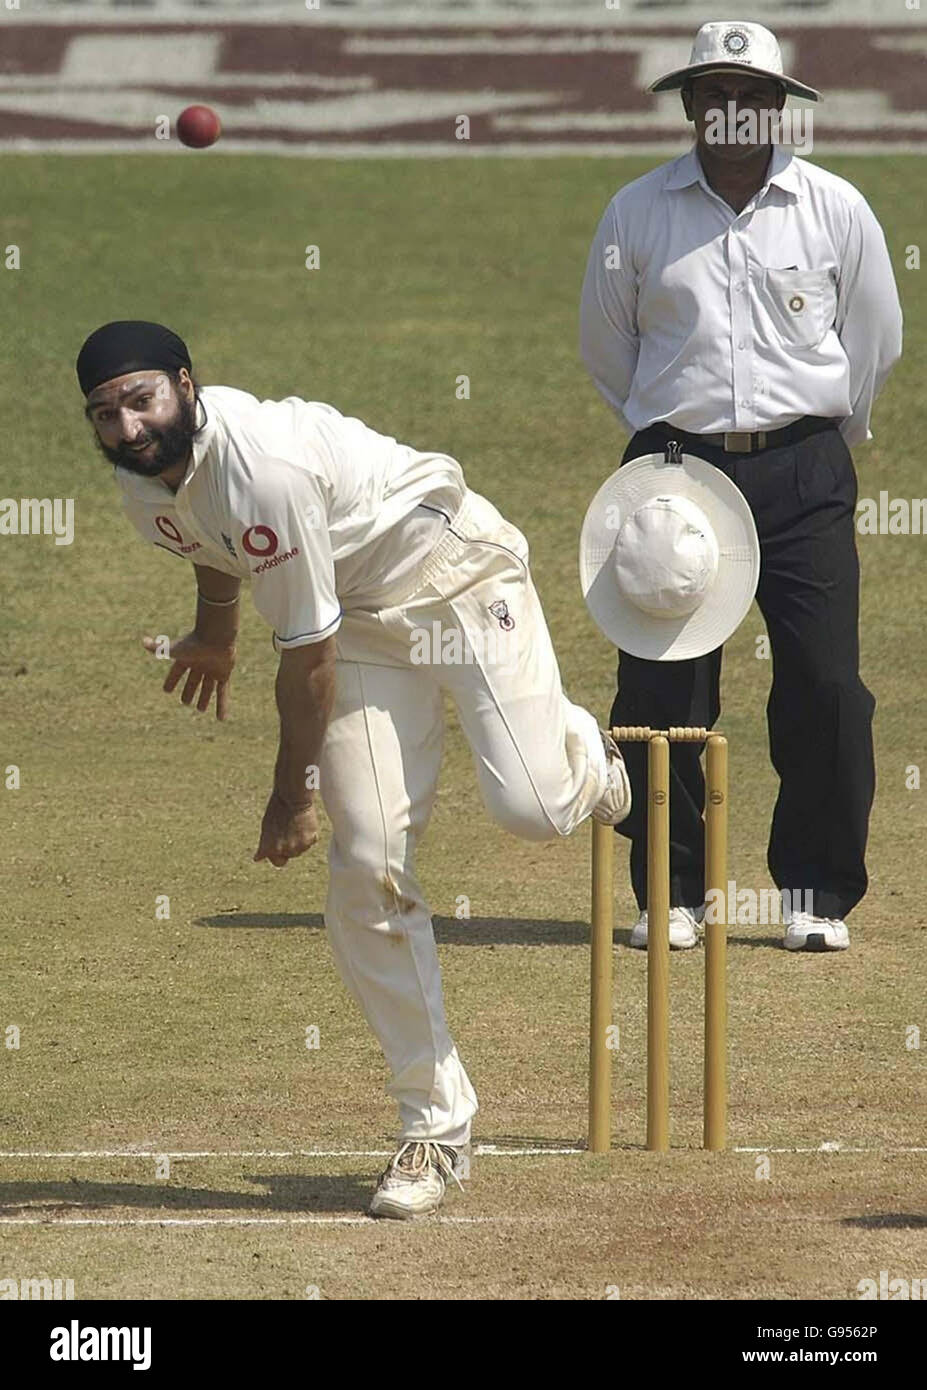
(683, 928)
(615, 802)
(803, 932)
(414, 1182)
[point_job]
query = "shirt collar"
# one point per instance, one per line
(687, 169)
(203, 439)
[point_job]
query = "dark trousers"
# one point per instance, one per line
(819, 713)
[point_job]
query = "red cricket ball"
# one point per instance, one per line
(198, 126)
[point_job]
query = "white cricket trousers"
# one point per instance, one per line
(471, 626)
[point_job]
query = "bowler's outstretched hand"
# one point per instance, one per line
(208, 670)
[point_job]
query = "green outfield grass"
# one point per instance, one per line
(188, 1034)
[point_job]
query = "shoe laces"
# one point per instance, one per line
(417, 1156)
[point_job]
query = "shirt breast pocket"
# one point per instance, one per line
(801, 304)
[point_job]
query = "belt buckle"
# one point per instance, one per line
(738, 442)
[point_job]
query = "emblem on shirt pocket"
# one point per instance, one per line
(500, 610)
(801, 304)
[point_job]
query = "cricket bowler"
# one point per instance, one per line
(363, 555)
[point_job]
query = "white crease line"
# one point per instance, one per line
(834, 1148)
(493, 1151)
(479, 1150)
(257, 1221)
(201, 1153)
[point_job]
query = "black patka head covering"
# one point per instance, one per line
(128, 345)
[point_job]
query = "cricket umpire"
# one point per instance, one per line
(357, 548)
(741, 300)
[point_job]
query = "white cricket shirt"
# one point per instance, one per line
(319, 512)
(715, 320)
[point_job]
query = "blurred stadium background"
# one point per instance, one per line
(381, 78)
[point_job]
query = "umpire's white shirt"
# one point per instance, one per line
(318, 511)
(715, 320)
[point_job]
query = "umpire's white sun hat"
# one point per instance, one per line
(669, 558)
(731, 44)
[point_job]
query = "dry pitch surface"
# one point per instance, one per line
(187, 1035)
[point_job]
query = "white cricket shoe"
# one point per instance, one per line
(803, 932)
(615, 802)
(414, 1182)
(683, 928)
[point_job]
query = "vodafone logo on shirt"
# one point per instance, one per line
(169, 530)
(263, 543)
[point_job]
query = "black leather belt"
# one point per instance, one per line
(742, 442)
